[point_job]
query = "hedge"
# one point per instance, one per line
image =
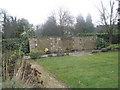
(15, 44)
(105, 36)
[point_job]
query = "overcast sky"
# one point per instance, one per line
(37, 11)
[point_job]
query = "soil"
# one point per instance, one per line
(49, 80)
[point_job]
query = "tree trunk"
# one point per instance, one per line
(110, 39)
(110, 36)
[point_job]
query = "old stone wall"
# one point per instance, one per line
(61, 44)
(84, 43)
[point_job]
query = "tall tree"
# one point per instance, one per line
(9, 25)
(1, 18)
(23, 26)
(13, 27)
(5, 23)
(108, 17)
(38, 30)
(80, 25)
(65, 21)
(59, 24)
(89, 24)
(50, 27)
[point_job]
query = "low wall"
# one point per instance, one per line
(61, 44)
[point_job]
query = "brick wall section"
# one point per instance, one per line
(61, 44)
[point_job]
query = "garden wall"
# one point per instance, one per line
(62, 44)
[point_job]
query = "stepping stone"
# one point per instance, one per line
(44, 56)
(96, 51)
(26, 57)
(54, 55)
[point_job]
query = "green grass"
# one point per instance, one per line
(93, 71)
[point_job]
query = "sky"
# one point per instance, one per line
(37, 11)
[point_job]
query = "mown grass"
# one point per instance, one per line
(93, 71)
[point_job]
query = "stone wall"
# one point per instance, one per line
(61, 44)
(84, 43)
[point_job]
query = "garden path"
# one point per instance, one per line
(82, 53)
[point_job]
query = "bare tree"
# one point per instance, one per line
(118, 14)
(65, 21)
(65, 18)
(108, 17)
(2, 12)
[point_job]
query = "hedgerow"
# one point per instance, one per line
(15, 44)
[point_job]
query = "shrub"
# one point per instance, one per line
(15, 44)
(115, 39)
(35, 54)
(14, 56)
(101, 43)
(9, 60)
(114, 46)
(25, 46)
(21, 53)
(10, 44)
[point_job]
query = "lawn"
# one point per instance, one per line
(93, 71)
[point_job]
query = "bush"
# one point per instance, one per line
(101, 43)
(114, 46)
(15, 55)
(115, 39)
(9, 60)
(21, 53)
(15, 44)
(35, 54)
(25, 46)
(10, 44)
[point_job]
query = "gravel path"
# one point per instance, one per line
(82, 53)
